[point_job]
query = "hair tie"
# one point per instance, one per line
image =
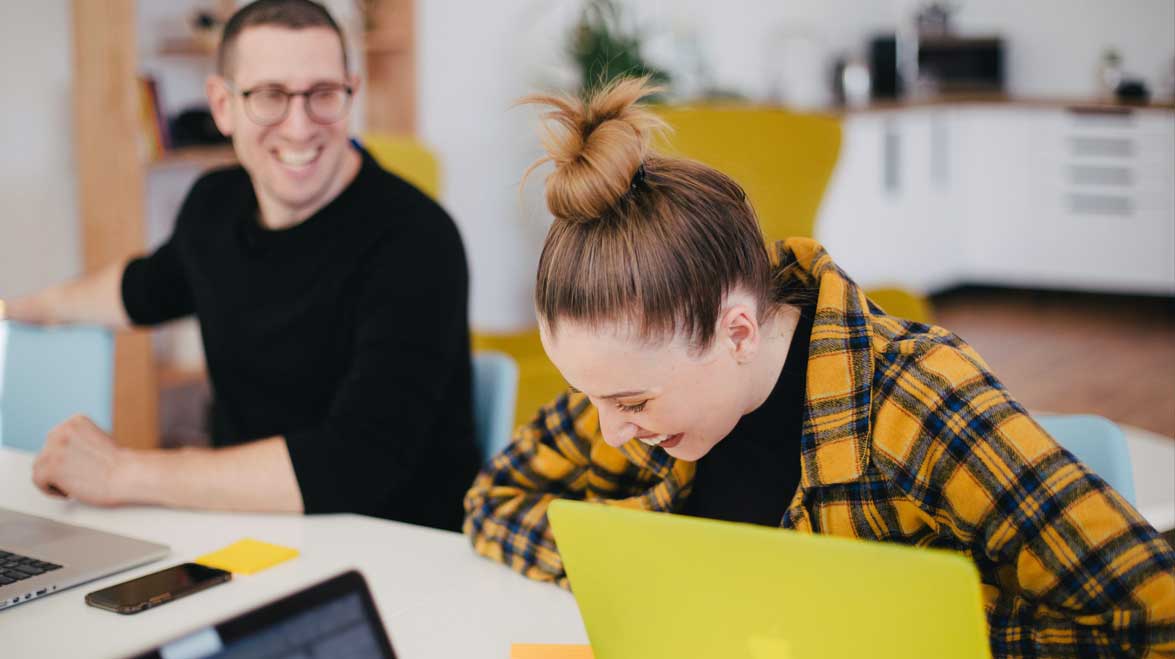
(638, 177)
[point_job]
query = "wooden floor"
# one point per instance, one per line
(1074, 353)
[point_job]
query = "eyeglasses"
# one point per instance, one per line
(268, 105)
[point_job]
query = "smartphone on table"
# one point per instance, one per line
(157, 588)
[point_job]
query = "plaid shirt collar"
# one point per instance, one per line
(835, 445)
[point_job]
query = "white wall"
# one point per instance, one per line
(475, 60)
(38, 208)
(1054, 45)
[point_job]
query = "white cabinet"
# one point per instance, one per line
(888, 218)
(857, 210)
(926, 235)
(928, 198)
(1103, 186)
(1002, 232)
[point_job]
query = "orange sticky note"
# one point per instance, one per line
(536, 651)
(247, 556)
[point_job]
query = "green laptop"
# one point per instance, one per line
(653, 585)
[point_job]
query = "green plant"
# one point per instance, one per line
(604, 52)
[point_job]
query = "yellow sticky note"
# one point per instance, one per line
(247, 556)
(534, 651)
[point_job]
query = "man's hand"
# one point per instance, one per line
(80, 461)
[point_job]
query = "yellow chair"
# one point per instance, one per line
(903, 304)
(782, 159)
(407, 158)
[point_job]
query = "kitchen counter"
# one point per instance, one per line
(1091, 105)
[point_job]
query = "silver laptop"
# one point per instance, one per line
(39, 556)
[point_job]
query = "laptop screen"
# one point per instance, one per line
(335, 618)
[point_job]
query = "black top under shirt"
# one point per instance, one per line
(752, 474)
(347, 334)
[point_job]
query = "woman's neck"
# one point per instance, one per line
(768, 365)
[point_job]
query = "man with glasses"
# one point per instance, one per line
(331, 297)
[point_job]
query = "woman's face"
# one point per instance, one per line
(661, 394)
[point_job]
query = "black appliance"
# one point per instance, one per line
(884, 70)
(962, 64)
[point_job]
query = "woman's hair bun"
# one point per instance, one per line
(597, 144)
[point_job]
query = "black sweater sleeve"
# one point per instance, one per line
(155, 287)
(410, 333)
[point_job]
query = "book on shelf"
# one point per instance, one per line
(155, 137)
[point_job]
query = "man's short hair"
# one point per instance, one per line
(290, 14)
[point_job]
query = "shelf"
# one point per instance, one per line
(187, 47)
(172, 376)
(386, 43)
(205, 157)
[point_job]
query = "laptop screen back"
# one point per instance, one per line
(652, 585)
(335, 618)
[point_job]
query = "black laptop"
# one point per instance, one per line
(334, 618)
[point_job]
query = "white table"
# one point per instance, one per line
(1152, 457)
(436, 597)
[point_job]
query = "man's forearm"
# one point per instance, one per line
(257, 476)
(95, 298)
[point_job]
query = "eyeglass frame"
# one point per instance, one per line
(348, 89)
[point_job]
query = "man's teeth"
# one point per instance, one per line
(655, 440)
(296, 158)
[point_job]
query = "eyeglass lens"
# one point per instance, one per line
(269, 105)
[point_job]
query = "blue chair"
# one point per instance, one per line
(1098, 443)
(495, 388)
(48, 374)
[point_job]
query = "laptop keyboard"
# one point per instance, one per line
(14, 567)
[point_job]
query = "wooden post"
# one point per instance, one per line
(111, 188)
(390, 58)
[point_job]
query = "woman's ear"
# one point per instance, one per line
(738, 330)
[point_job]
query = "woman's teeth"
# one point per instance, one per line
(655, 440)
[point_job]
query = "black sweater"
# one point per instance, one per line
(347, 334)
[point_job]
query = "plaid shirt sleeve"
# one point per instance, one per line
(560, 454)
(1070, 568)
(506, 508)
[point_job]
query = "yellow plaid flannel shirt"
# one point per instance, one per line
(907, 438)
